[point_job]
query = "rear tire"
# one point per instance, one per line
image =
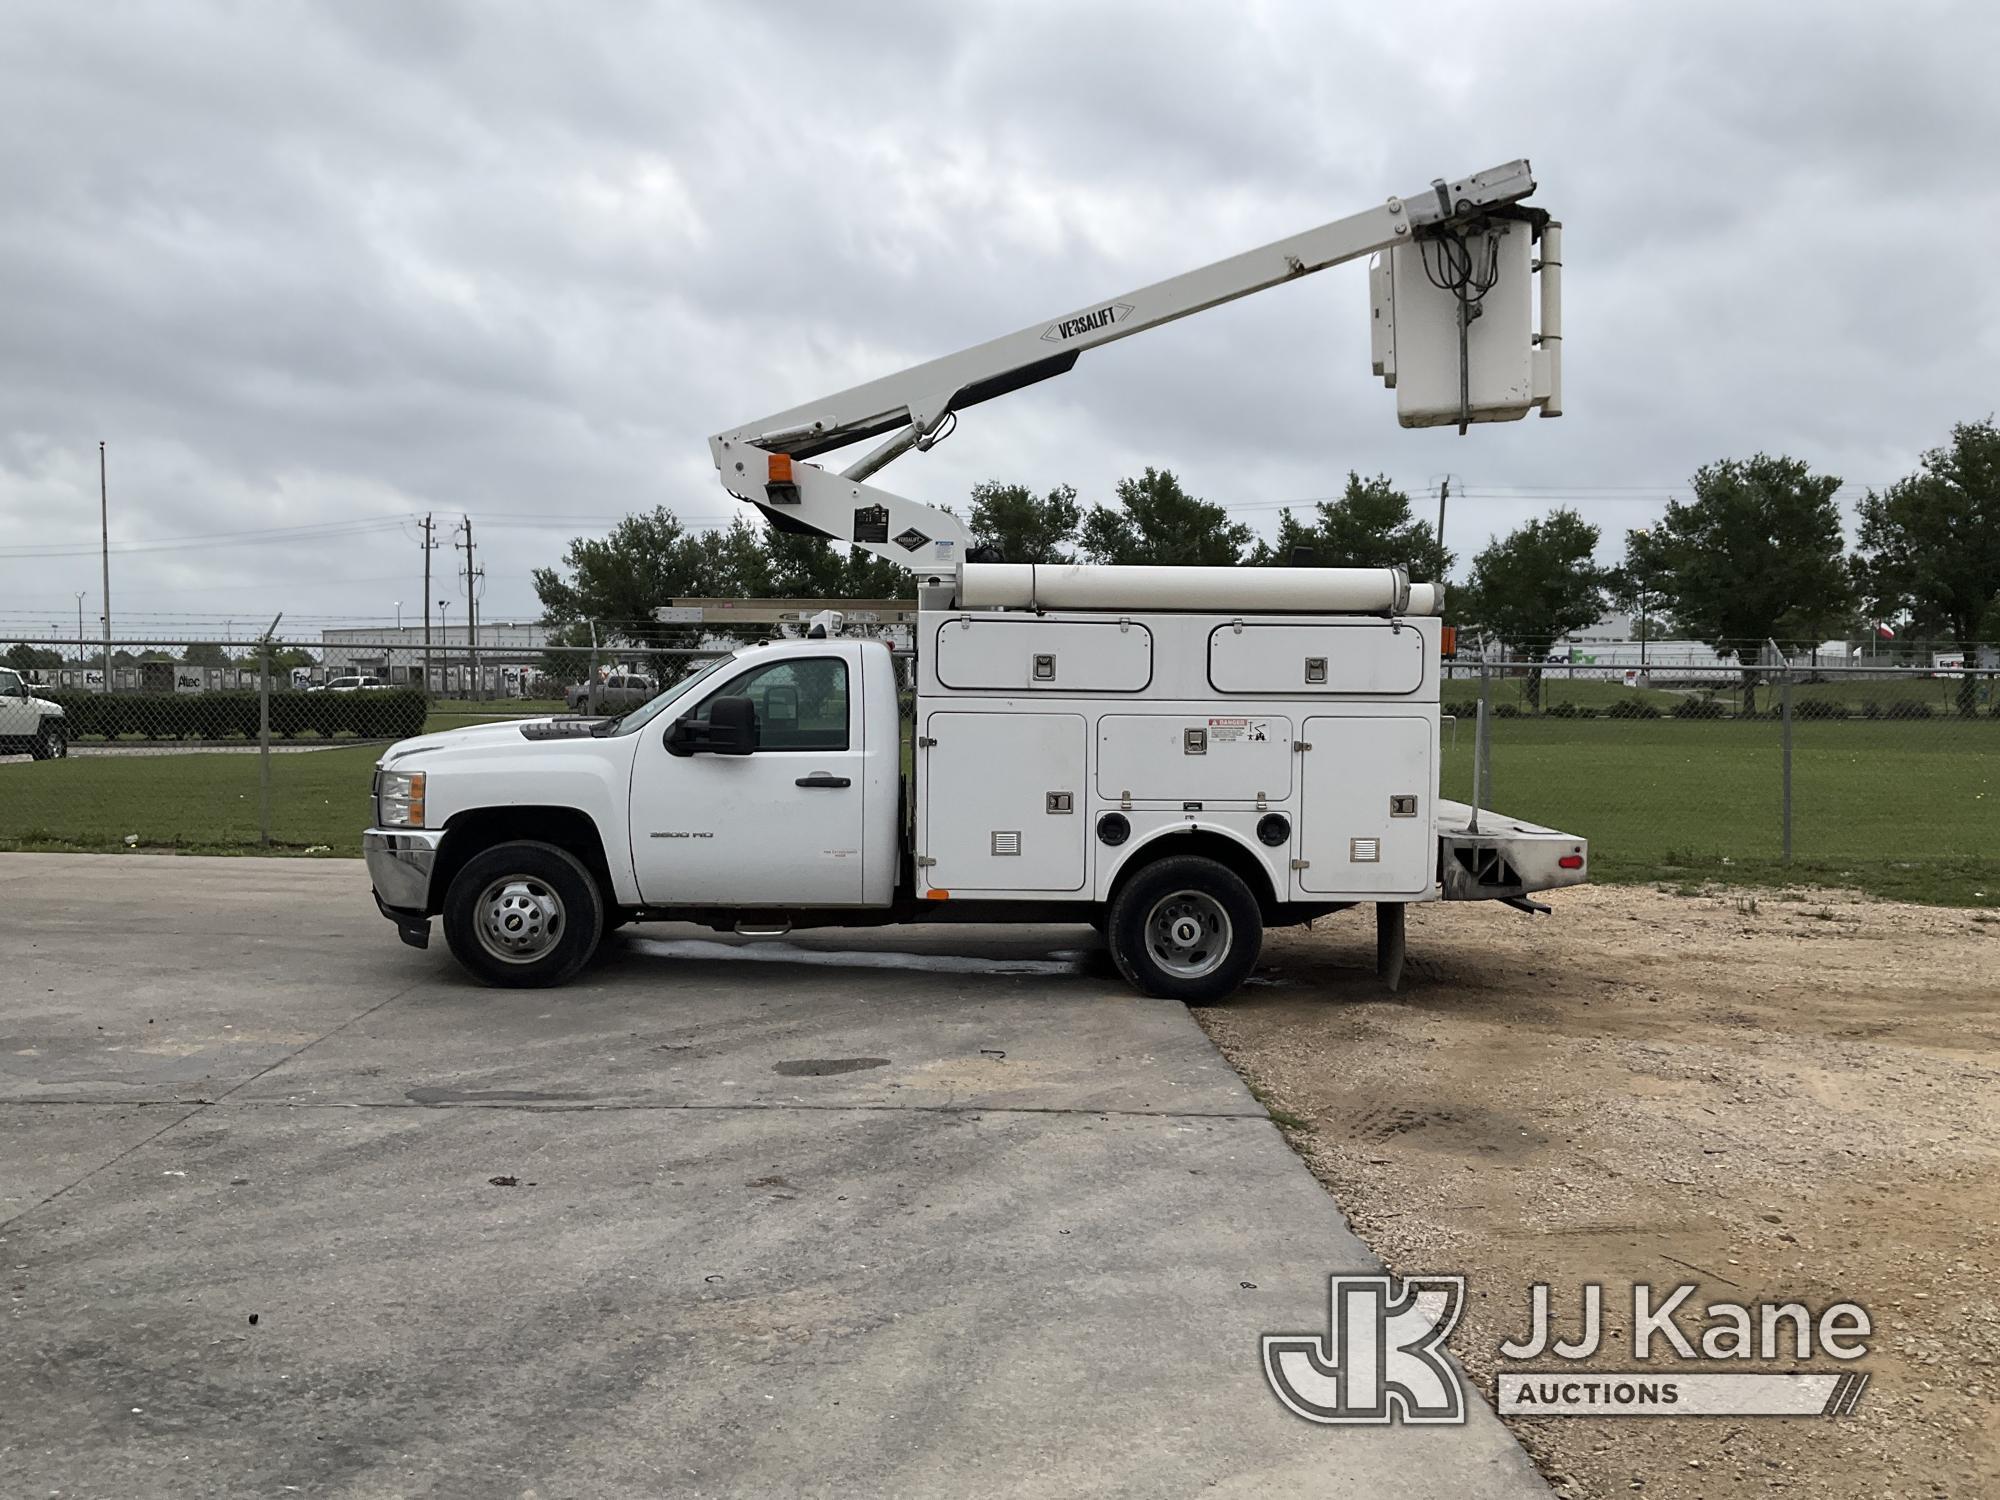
(1185, 928)
(524, 915)
(51, 741)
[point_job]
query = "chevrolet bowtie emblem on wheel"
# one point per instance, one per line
(1382, 1358)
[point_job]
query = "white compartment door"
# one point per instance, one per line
(1365, 820)
(1015, 655)
(1004, 802)
(1289, 661)
(1194, 757)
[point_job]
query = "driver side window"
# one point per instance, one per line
(10, 684)
(801, 704)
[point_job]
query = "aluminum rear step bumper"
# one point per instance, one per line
(1507, 857)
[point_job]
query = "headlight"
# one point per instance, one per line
(399, 799)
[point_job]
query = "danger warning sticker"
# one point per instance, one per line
(1227, 731)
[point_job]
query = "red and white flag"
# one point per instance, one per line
(1886, 632)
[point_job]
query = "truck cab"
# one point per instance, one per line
(768, 781)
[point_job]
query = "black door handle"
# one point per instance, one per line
(820, 778)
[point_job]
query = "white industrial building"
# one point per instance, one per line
(508, 653)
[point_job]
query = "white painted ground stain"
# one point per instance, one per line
(771, 952)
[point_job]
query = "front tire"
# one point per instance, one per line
(51, 741)
(523, 915)
(1185, 928)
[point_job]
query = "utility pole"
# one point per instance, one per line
(430, 546)
(473, 576)
(104, 524)
(1444, 494)
(79, 623)
(1643, 574)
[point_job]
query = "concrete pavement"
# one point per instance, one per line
(906, 1212)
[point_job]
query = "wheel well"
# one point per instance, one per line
(467, 833)
(1224, 850)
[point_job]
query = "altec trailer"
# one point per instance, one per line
(1181, 756)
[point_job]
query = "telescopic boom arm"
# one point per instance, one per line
(764, 462)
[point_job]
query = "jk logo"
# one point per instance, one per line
(1381, 1359)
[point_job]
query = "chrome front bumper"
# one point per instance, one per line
(399, 862)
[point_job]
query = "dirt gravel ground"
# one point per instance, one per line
(1779, 1095)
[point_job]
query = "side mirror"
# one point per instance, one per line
(730, 729)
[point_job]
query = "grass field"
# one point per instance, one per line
(193, 803)
(1908, 809)
(451, 715)
(1905, 808)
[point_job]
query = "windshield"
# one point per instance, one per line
(640, 717)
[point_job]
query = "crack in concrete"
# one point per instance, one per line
(201, 1106)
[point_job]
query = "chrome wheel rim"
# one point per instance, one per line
(519, 919)
(1188, 934)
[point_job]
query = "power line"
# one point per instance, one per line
(314, 531)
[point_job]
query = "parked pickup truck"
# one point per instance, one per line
(1179, 779)
(30, 725)
(616, 693)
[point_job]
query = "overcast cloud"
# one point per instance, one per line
(304, 264)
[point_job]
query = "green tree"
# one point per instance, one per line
(1756, 555)
(1024, 528)
(1369, 525)
(1930, 545)
(1539, 582)
(615, 582)
(205, 654)
(26, 658)
(1158, 522)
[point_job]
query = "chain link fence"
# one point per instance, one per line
(1790, 770)
(1866, 774)
(206, 746)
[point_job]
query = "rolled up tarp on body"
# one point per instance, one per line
(1352, 591)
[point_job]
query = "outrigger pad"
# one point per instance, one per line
(1389, 942)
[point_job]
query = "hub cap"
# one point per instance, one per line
(1188, 934)
(519, 919)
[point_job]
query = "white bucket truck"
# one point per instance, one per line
(1179, 756)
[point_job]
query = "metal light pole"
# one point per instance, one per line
(79, 623)
(264, 732)
(399, 616)
(104, 525)
(1643, 630)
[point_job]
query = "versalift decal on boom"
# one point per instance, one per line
(1101, 317)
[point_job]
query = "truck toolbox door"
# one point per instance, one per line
(1365, 826)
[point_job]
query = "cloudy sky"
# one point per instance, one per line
(312, 270)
